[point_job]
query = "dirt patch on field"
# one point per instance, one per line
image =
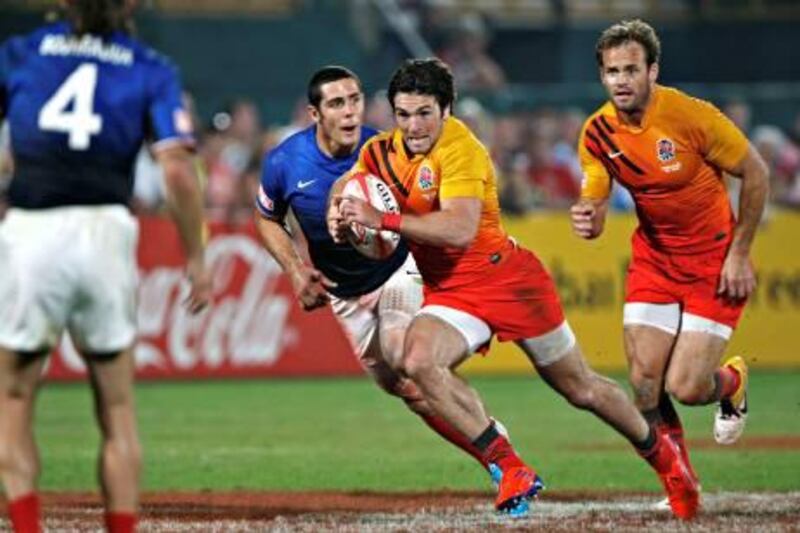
(770, 443)
(440, 511)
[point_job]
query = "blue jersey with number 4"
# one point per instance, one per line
(79, 108)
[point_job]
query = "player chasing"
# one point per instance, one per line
(690, 273)
(80, 96)
(479, 283)
(374, 300)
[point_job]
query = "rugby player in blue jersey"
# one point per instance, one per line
(81, 96)
(373, 300)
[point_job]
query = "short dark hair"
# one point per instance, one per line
(98, 17)
(325, 75)
(429, 76)
(635, 30)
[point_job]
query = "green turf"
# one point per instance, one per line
(345, 434)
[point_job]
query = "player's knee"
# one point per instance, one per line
(580, 396)
(417, 362)
(124, 453)
(686, 390)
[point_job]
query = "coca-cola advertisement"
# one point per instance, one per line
(253, 329)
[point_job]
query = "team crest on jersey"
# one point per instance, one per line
(425, 178)
(666, 150)
(265, 200)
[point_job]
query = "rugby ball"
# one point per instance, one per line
(375, 244)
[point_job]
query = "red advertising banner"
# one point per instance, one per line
(253, 329)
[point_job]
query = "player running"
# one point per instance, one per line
(479, 283)
(81, 96)
(690, 273)
(373, 300)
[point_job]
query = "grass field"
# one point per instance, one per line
(346, 435)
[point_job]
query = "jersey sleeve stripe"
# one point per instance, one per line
(606, 124)
(384, 145)
(597, 151)
(613, 147)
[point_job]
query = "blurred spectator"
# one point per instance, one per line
(476, 117)
(379, 112)
(232, 143)
(739, 113)
(783, 159)
(466, 53)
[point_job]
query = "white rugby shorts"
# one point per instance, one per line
(70, 268)
(360, 315)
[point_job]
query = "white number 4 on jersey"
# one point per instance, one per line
(80, 122)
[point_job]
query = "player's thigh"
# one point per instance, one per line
(358, 317)
(20, 374)
(558, 359)
(649, 331)
(400, 300)
(36, 278)
(695, 358)
(103, 319)
(442, 337)
(112, 378)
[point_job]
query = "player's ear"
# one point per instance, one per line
(653, 73)
(314, 113)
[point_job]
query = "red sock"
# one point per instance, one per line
(451, 434)
(729, 381)
(501, 453)
(24, 513)
(120, 522)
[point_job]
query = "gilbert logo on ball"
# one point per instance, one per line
(375, 244)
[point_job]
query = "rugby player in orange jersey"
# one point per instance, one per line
(479, 283)
(690, 273)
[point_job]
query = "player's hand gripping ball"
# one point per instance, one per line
(375, 244)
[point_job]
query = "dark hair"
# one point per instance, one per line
(98, 17)
(424, 76)
(626, 31)
(327, 75)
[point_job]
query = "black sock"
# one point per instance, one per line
(486, 438)
(717, 394)
(653, 417)
(647, 444)
(668, 413)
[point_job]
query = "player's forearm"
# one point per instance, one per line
(440, 228)
(278, 243)
(752, 200)
(185, 204)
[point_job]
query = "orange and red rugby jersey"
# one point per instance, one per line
(458, 165)
(672, 166)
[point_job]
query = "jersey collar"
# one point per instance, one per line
(652, 105)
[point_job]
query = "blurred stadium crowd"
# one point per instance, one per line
(534, 149)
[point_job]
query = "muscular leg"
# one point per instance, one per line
(432, 349)
(19, 456)
(692, 375)
(648, 351)
(571, 377)
(381, 361)
(120, 455)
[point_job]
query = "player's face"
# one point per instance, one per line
(420, 120)
(340, 114)
(627, 78)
